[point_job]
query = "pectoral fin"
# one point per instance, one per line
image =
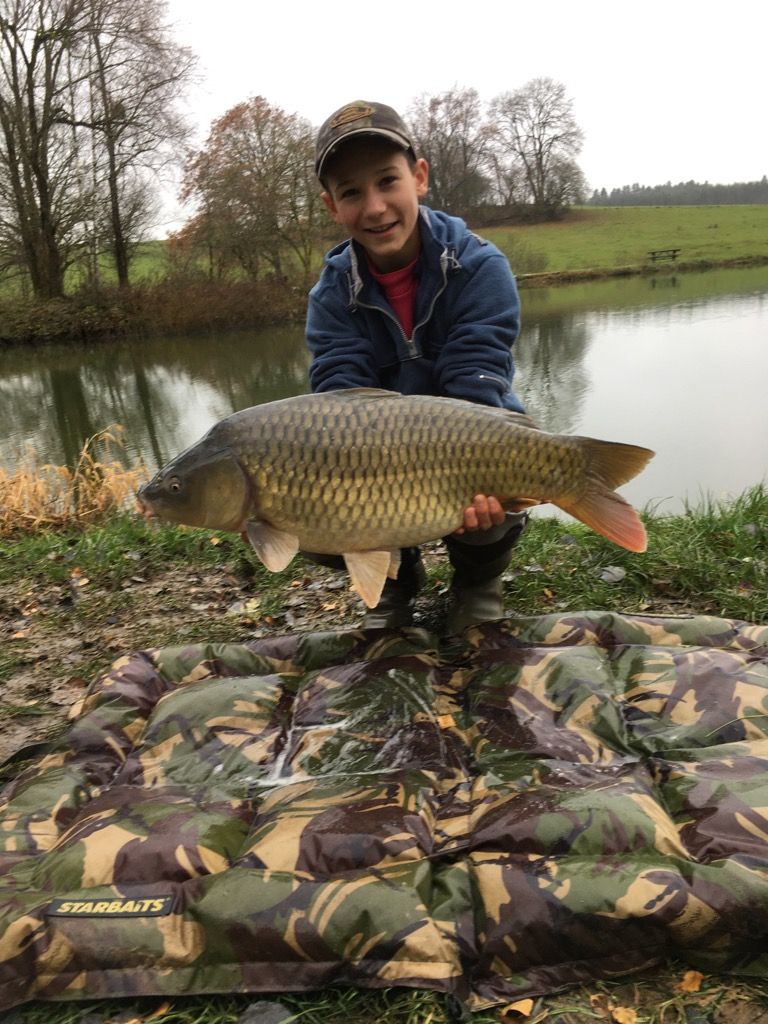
(274, 547)
(369, 570)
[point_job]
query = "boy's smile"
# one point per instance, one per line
(373, 192)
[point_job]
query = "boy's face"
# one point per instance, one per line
(373, 192)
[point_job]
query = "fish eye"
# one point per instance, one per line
(174, 485)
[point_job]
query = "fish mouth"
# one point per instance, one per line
(146, 512)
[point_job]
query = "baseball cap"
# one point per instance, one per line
(360, 117)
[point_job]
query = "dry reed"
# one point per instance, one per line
(43, 497)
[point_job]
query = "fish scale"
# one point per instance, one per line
(406, 462)
(369, 471)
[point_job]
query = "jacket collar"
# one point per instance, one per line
(444, 255)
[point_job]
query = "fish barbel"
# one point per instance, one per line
(363, 472)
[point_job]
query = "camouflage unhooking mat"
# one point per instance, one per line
(553, 800)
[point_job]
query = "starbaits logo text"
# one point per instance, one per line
(123, 907)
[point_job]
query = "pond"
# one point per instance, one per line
(674, 362)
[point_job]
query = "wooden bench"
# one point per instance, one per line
(663, 254)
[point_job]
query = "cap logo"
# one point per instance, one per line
(352, 112)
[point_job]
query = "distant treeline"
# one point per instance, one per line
(685, 193)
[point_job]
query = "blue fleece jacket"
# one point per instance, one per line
(466, 319)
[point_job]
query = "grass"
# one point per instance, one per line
(713, 558)
(598, 238)
(601, 1002)
(610, 237)
(335, 1006)
(588, 243)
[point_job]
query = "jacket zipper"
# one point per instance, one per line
(410, 343)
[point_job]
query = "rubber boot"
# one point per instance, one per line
(398, 598)
(479, 561)
(470, 605)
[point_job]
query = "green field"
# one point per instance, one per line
(600, 239)
(588, 244)
(606, 238)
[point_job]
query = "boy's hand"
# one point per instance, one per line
(482, 514)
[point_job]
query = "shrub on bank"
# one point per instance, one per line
(180, 303)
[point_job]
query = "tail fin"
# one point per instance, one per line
(599, 507)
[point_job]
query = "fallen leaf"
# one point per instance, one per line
(251, 606)
(690, 982)
(624, 1015)
(21, 634)
(548, 593)
(523, 1007)
(215, 541)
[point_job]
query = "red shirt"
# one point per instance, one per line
(400, 287)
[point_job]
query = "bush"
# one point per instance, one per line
(180, 303)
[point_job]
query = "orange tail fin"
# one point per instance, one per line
(599, 507)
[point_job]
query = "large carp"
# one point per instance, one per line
(363, 472)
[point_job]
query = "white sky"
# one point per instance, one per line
(663, 89)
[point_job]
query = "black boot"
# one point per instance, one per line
(479, 560)
(469, 605)
(398, 598)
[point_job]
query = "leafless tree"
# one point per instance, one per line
(136, 74)
(536, 134)
(88, 92)
(450, 133)
(41, 203)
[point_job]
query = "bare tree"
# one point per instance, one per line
(41, 202)
(255, 190)
(450, 133)
(87, 111)
(536, 133)
(135, 76)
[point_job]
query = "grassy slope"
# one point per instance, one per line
(589, 238)
(607, 238)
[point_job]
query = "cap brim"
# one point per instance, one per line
(384, 133)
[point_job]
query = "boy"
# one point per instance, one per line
(413, 302)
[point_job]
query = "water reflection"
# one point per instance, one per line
(676, 362)
(164, 393)
(552, 380)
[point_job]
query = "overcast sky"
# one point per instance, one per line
(663, 89)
